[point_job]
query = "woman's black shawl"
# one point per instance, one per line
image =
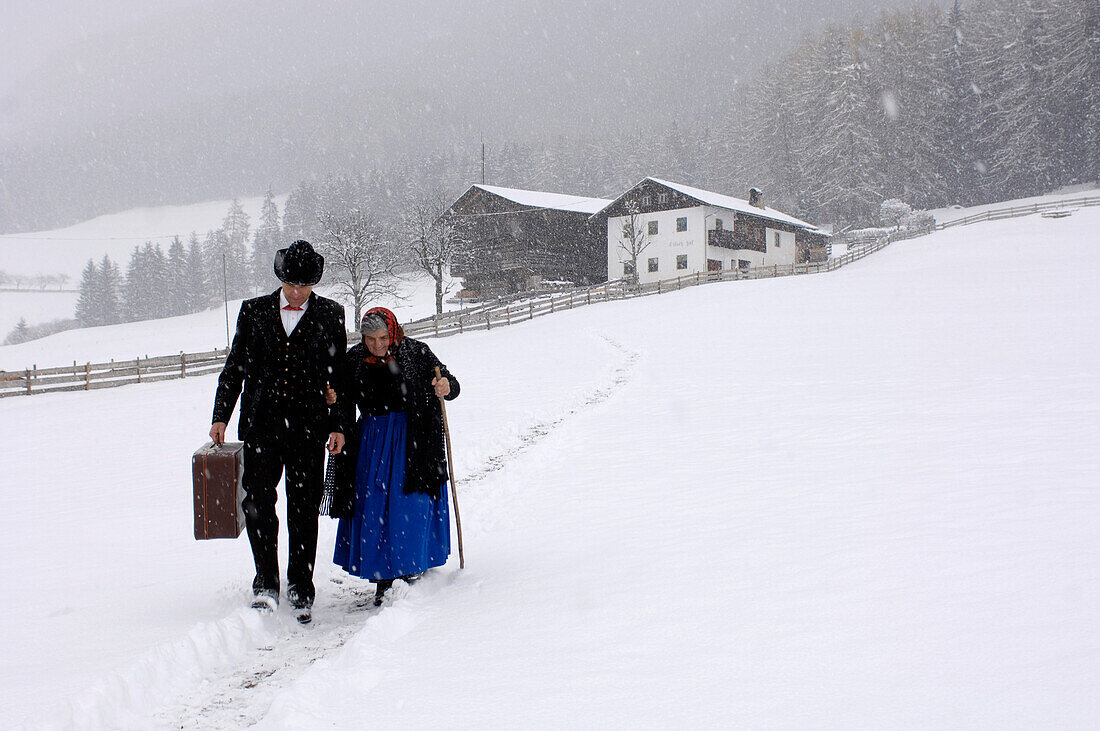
(425, 453)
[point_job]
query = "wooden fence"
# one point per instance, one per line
(1012, 212)
(88, 376)
(501, 315)
(483, 316)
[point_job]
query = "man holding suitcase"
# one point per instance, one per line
(287, 348)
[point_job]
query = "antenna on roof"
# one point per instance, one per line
(483, 158)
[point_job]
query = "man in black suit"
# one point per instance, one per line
(288, 347)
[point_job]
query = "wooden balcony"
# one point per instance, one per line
(732, 240)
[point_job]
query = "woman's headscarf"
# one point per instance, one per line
(393, 327)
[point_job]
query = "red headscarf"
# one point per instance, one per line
(393, 327)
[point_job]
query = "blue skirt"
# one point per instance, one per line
(390, 534)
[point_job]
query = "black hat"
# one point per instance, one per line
(299, 264)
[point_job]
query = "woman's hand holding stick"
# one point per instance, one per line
(443, 387)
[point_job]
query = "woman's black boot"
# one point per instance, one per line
(380, 589)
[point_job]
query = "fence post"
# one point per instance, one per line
(138, 361)
(551, 303)
(530, 310)
(87, 375)
(28, 377)
(460, 324)
(658, 286)
(435, 320)
(508, 314)
(588, 296)
(183, 364)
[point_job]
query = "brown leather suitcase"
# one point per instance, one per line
(219, 490)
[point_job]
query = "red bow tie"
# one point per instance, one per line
(292, 307)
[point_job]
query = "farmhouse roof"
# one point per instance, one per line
(728, 202)
(555, 201)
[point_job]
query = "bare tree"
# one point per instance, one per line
(634, 238)
(433, 236)
(362, 254)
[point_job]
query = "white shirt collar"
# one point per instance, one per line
(283, 302)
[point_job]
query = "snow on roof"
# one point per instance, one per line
(735, 204)
(539, 199)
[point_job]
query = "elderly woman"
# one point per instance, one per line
(391, 494)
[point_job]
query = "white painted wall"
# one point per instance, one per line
(669, 243)
(781, 247)
(666, 246)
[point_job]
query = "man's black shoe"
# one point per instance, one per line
(266, 600)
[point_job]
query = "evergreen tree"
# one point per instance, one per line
(89, 304)
(134, 290)
(844, 163)
(110, 286)
(19, 334)
(1075, 70)
(300, 214)
(176, 295)
(238, 257)
(199, 292)
(157, 282)
(956, 109)
(267, 241)
(216, 265)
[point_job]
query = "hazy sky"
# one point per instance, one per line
(31, 31)
(101, 58)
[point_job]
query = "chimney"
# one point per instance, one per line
(756, 197)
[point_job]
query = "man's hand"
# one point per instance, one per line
(442, 386)
(217, 432)
(335, 442)
(330, 395)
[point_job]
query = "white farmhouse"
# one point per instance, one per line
(668, 229)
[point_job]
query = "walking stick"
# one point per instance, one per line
(451, 471)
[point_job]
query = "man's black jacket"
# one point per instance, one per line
(283, 378)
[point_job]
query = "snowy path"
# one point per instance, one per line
(866, 498)
(241, 693)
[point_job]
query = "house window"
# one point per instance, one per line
(682, 223)
(718, 224)
(628, 269)
(652, 228)
(777, 240)
(663, 197)
(653, 264)
(681, 261)
(743, 263)
(646, 200)
(714, 265)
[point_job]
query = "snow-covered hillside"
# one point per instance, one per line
(67, 250)
(864, 498)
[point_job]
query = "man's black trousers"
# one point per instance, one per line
(265, 459)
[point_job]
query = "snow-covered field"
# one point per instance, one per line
(859, 499)
(67, 250)
(1069, 193)
(35, 307)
